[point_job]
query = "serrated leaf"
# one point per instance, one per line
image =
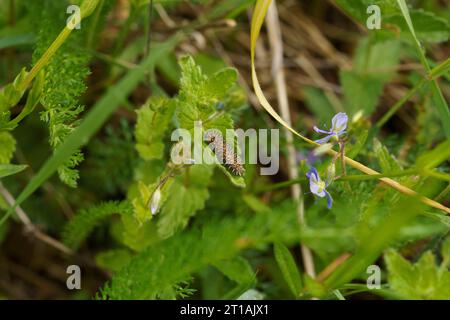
(186, 196)
(220, 82)
(7, 147)
(153, 120)
(428, 27)
(238, 270)
(422, 280)
(288, 268)
(195, 86)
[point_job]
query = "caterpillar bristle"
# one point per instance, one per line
(224, 152)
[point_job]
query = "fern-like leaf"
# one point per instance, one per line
(160, 267)
(79, 228)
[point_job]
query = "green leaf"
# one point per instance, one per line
(187, 194)
(10, 169)
(427, 26)
(433, 158)
(423, 280)
(113, 260)
(143, 202)
(238, 270)
(358, 8)
(11, 94)
(445, 252)
(317, 102)
(361, 92)
(374, 65)
(288, 268)
(251, 294)
(209, 156)
(8, 146)
(388, 162)
(32, 100)
(64, 83)
(195, 86)
(220, 82)
(79, 228)
(153, 120)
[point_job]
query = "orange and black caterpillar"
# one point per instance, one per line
(224, 152)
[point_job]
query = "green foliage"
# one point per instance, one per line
(64, 84)
(113, 260)
(287, 265)
(374, 65)
(186, 195)
(421, 280)
(153, 120)
(237, 269)
(111, 160)
(10, 169)
(429, 27)
(170, 231)
(8, 144)
(78, 229)
(215, 240)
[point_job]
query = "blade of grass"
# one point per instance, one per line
(441, 105)
(93, 121)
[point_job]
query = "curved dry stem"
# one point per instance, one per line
(257, 21)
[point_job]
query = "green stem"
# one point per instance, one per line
(45, 58)
(93, 27)
(399, 104)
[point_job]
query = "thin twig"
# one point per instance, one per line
(276, 44)
(332, 266)
(30, 227)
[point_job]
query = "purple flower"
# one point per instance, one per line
(318, 186)
(338, 126)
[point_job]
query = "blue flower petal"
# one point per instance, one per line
(324, 140)
(339, 122)
(321, 131)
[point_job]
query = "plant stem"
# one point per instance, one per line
(399, 104)
(276, 44)
(45, 58)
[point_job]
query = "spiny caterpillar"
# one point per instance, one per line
(224, 152)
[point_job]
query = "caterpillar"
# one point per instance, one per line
(224, 152)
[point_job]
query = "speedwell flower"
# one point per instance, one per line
(318, 186)
(338, 126)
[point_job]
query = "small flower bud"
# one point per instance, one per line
(154, 205)
(331, 173)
